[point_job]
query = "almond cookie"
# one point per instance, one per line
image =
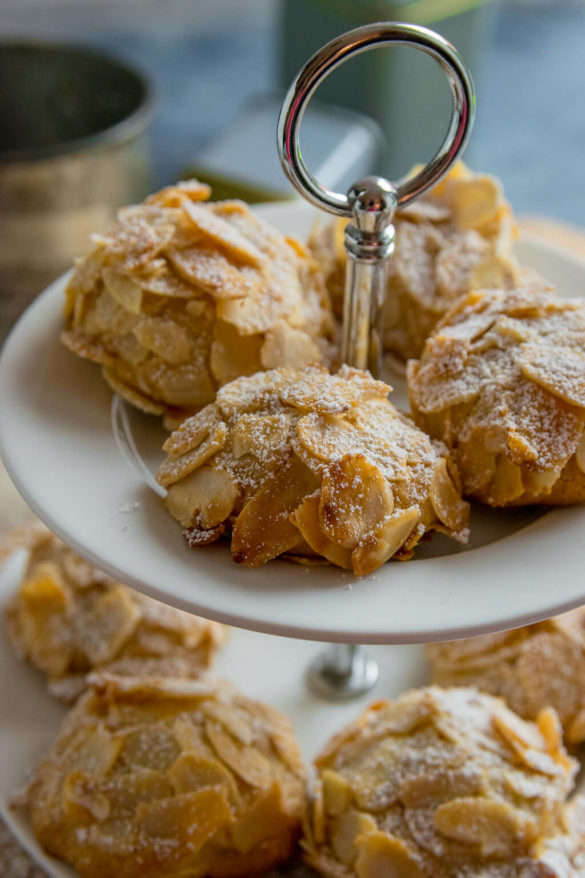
(456, 237)
(179, 297)
(154, 777)
(441, 783)
(312, 466)
(68, 618)
(502, 382)
(541, 665)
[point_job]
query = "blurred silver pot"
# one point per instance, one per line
(72, 149)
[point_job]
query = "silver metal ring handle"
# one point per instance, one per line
(354, 42)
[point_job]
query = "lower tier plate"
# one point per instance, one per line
(57, 443)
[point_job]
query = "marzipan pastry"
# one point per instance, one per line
(457, 237)
(501, 382)
(312, 466)
(169, 778)
(443, 783)
(179, 297)
(68, 618)
(541, 665)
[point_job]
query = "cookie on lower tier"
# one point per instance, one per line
(501, 382)
(68, 618)
(540, 665)
(444, 783)
(312, 466)
(166, 778)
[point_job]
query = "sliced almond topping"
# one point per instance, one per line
(191, 433)
(507, 484)
(355, 500)
(126, 790)
(190, 818)
(258, 311)
(580, 454)
(112, 621)
(559, 370)
(384, 856)
(448, 505)
(337, 794)
(418, 791)
(81, 792)
(317, 391)
(86, 346)
(263, 528)
(327, 437)
(287, 347)
(248, 763)
(233, 720)
(262, 821)
(132, 395)
(164, 338)
(261, 435)
(176, 468)
(210, 271)
(205, 498)
(495, 827)
(127, 292)
(386, 541)
(173, 196)
(223, 235)
(345, 831)
(306, 518)
(475, 201)
(194, 769)
(232, 354)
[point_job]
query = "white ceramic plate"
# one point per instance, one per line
(30, 718)
(57, 444)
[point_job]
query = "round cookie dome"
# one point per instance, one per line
(439, 784)
(537, 666)
(178, 297)
(161, 778)
(68, 618)
(502, 382)
(310, 465)
(458, 236)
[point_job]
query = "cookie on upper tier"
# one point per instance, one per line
(456, 237)
(313, 466)
(501, 382)
(178, 297)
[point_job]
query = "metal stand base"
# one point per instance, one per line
(342, 672)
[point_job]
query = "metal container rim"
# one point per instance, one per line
(117, 134)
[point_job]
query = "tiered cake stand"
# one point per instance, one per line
(85, 465)
(57, 442)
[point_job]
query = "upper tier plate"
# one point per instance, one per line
(57, 444)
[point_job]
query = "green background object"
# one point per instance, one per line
(405, 91)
